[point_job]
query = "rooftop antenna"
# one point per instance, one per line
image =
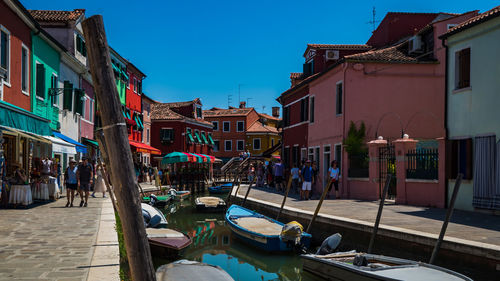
(229, 100)
(248, 102)
(374, 20)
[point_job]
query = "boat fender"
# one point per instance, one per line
(360, 260)
(292, 232)
(330, 244)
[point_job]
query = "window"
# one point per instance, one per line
(147, 135)
(139, 87)
(197, 136)
(199, 112)
(316, 155)
(135, 85)
(79, 101)
(295, 156)
(25, 70)
(338, 107)
(240, 126)
(226, 127)
(91, 110)
(310, 153)
(228, 145)
(272, 142)
(40, 81)
(80, 45)
(256, 144)
(311, 109)
(240, 145)
(128, 82)
(67, 96)
(166, 135)
(462, 69)
(304, 109)
(303, 153)
(461, 158)
(5, 52)
(286, 116)
(216, 125)
(216, 146)
(338, 155)
(286, 156)
(54, 99)
(84, 106)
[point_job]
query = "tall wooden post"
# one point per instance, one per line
(118, 150)
(285, 196)
(379, 213)
(325, 191)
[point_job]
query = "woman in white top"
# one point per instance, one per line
(334, 177)
(99, 183)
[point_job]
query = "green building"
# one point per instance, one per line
(46, 60)
(120, 70)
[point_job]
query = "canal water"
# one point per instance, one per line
(213, 243)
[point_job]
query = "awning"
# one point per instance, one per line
(79, 147)
(16, 132)
(190, 137)
(124, 73)
(211, 140)
(60, 146)
(18, 118)
(139, 123)
(197, 137)
(204, 138)
(115, 68)
(177, 157)
(210, 158)
(91, 142)
(141, 147)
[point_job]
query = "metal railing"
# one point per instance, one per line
(422, 164)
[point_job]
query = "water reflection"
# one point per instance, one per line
(214, 244)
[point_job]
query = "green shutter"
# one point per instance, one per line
(78, 101)
(204, 138)
(40, 80)
(211, 139)
(84, 49)
(67, 96)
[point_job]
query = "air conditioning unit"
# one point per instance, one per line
(415, 44)
(332, 55)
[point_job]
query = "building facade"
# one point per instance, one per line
(133, 103)
(146, 136)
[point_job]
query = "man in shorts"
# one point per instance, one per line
(307, 179)
(278, 176)
(71, 182)
(85, 175)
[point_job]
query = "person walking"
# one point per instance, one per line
(99, 185)
(71, 182)
(295, 178)
(260, 175)
(334, 177)
(85, 174)
(315, 178)
(278, 175)
(307, 179)
(251, 173)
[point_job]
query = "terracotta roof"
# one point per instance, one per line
(295, 75)
(228, 112)
(495, 12)
(163, 111)
(258, 127)
(56, 16)
(182, 103)
(267, 116)
(393, 54)
(337, 47)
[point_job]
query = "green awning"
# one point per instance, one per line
(190, 137)
(115, 68)
(21, 119)
(138, 121)
(92, 142)
(127, 114)
(124, 115)
(197, 135)
(211, 140)
(204, 138)
(124, 73)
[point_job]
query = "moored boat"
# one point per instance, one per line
(265, 233)
(167, 243)
(220, 189)
(153, 217)
(179, 195)
(359, 266)
(210, 204)
(184, 270)
(159, 201)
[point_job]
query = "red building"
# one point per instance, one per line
(133, 103)
(180, 127)
(230, 129)
(15, 55)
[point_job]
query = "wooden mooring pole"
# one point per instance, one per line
(236, 180)
(325, 192)
(458, 182)
(248, 191)
(379, 213)
(284, 197)
(118, 150)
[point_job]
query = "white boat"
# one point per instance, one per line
(153, 217)
(360, 266)
(184, 270)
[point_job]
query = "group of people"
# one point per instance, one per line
(244, 155)
(80, 178)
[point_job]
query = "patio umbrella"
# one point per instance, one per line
(177, 157)
(210, 159)
(197, 158)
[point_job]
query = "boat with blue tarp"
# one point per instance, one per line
(219, 189)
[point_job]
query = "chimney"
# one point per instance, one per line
(276, 111)
(243, 104)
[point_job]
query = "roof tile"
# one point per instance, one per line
(495, 12)
(56, 16)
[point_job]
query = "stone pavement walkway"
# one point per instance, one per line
(472, 226)
(51, 242)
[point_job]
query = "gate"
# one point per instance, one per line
(387, 165)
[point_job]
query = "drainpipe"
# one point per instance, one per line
(344, 177)
(446, 175)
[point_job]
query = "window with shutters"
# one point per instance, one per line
(40, 81)
(460, 160)
(462, 69)
(54, 99)
(79, 100)
(135, 85)
(304, 109)
(80, 45)
(311, 109)
(338, 99)
(68, 96)
(25, 68)
(5, 52)
(286, 116)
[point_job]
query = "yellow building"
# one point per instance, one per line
(262, 135)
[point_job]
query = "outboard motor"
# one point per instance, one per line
(172, 192)
(147, 217)
(330, 244)
(291, 233)
(152, 199)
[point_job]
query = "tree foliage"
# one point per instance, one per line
(355, 141)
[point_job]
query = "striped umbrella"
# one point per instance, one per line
(177, 157)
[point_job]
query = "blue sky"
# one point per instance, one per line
(206, 49)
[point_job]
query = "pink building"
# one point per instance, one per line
(88, 118)
(394, 89)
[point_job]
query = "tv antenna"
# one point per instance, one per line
(248, 102)
(374, 20)
(229, 100)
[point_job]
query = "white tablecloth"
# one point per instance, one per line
(54, 190)
(20, 194)
(40, 191)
